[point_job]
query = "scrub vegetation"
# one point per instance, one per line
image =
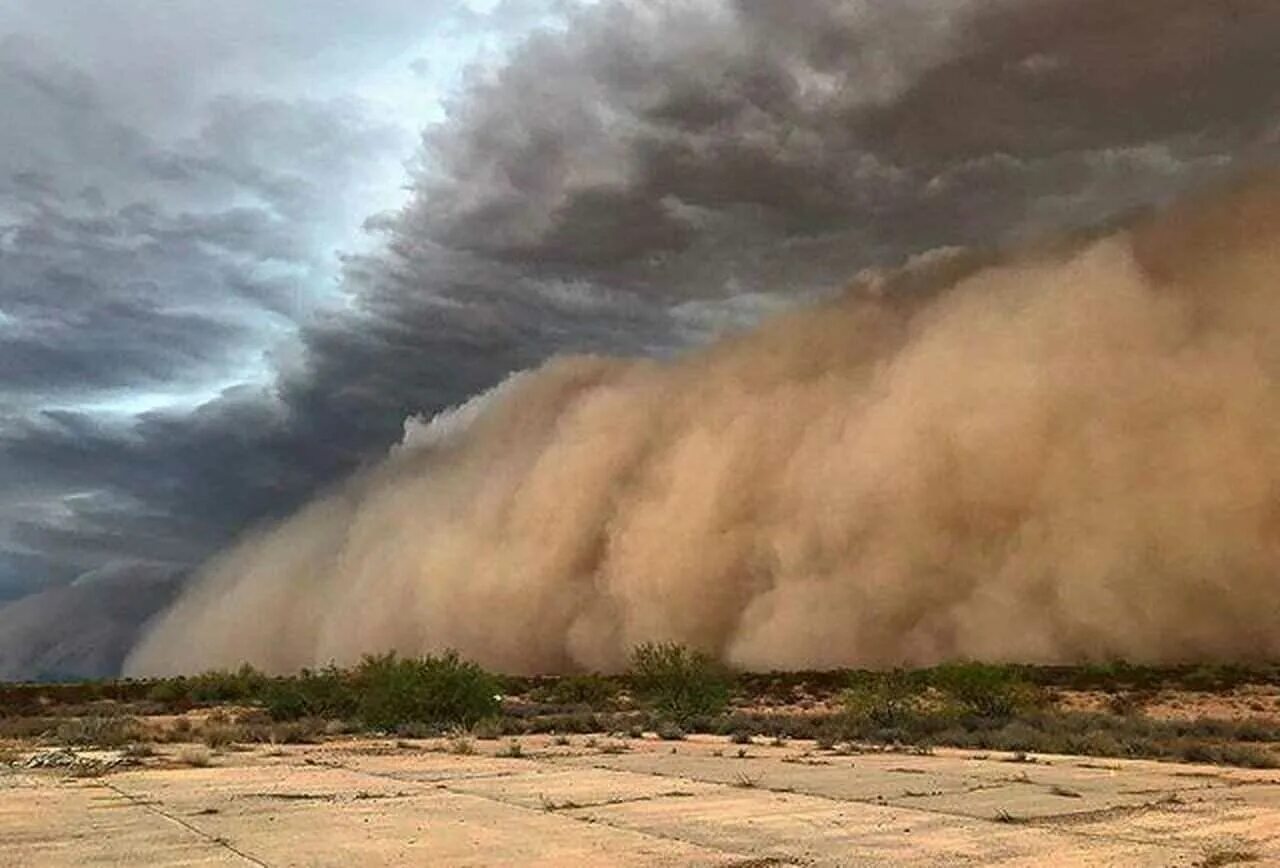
(1227, 714)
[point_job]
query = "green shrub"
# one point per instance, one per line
(1094, 744)
(328, 693)
(443, 690)
(882, 701)
(593, 690)
(242, 685)
(169, 691)
(986, 690)
(1214, 678)
(678, 681)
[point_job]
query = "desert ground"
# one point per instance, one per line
(418, 762)
(550, 800)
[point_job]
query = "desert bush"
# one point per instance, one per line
(168, 692)
(1127, 703)
(416, 729)
(1058, 732)
(679, 682)
(1095, 743)
(548, 723)
(1255, 730)
(304, 731)
(338, 727)
(218, 735)
(593, 690)
(1017, 737)
(489, 729)
(105, 732)
(1215, 678)
(179, 731)
(670, 731)
(26, 727)
(219, 685)
(1249, 756)
(139, 750)
(882, 701)
(327, 693)
(986, 690)
(1245, 755)
(195, 755)
(442, 691)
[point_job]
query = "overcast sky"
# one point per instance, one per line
(242, 240)
(177, 183)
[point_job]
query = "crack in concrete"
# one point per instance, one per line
(570, 805)
(1060, 823)
(151, 806)
(742, 860)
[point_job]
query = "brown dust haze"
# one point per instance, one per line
(1069, 454)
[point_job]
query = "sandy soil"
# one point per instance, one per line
(703, 801)
(1260, 702)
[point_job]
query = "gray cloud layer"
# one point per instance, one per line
(647, 175)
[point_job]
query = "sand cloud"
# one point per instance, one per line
(1070, 453)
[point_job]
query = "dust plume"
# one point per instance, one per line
(1070, 453)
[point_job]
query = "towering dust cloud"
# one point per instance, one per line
(1070, 454)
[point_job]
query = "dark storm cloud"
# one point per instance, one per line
(888, 127)
(659, 168)
(1046, 77)
(165, 223)
(80, 630)
(652, 173)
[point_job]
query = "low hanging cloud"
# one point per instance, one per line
(1065, 455)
